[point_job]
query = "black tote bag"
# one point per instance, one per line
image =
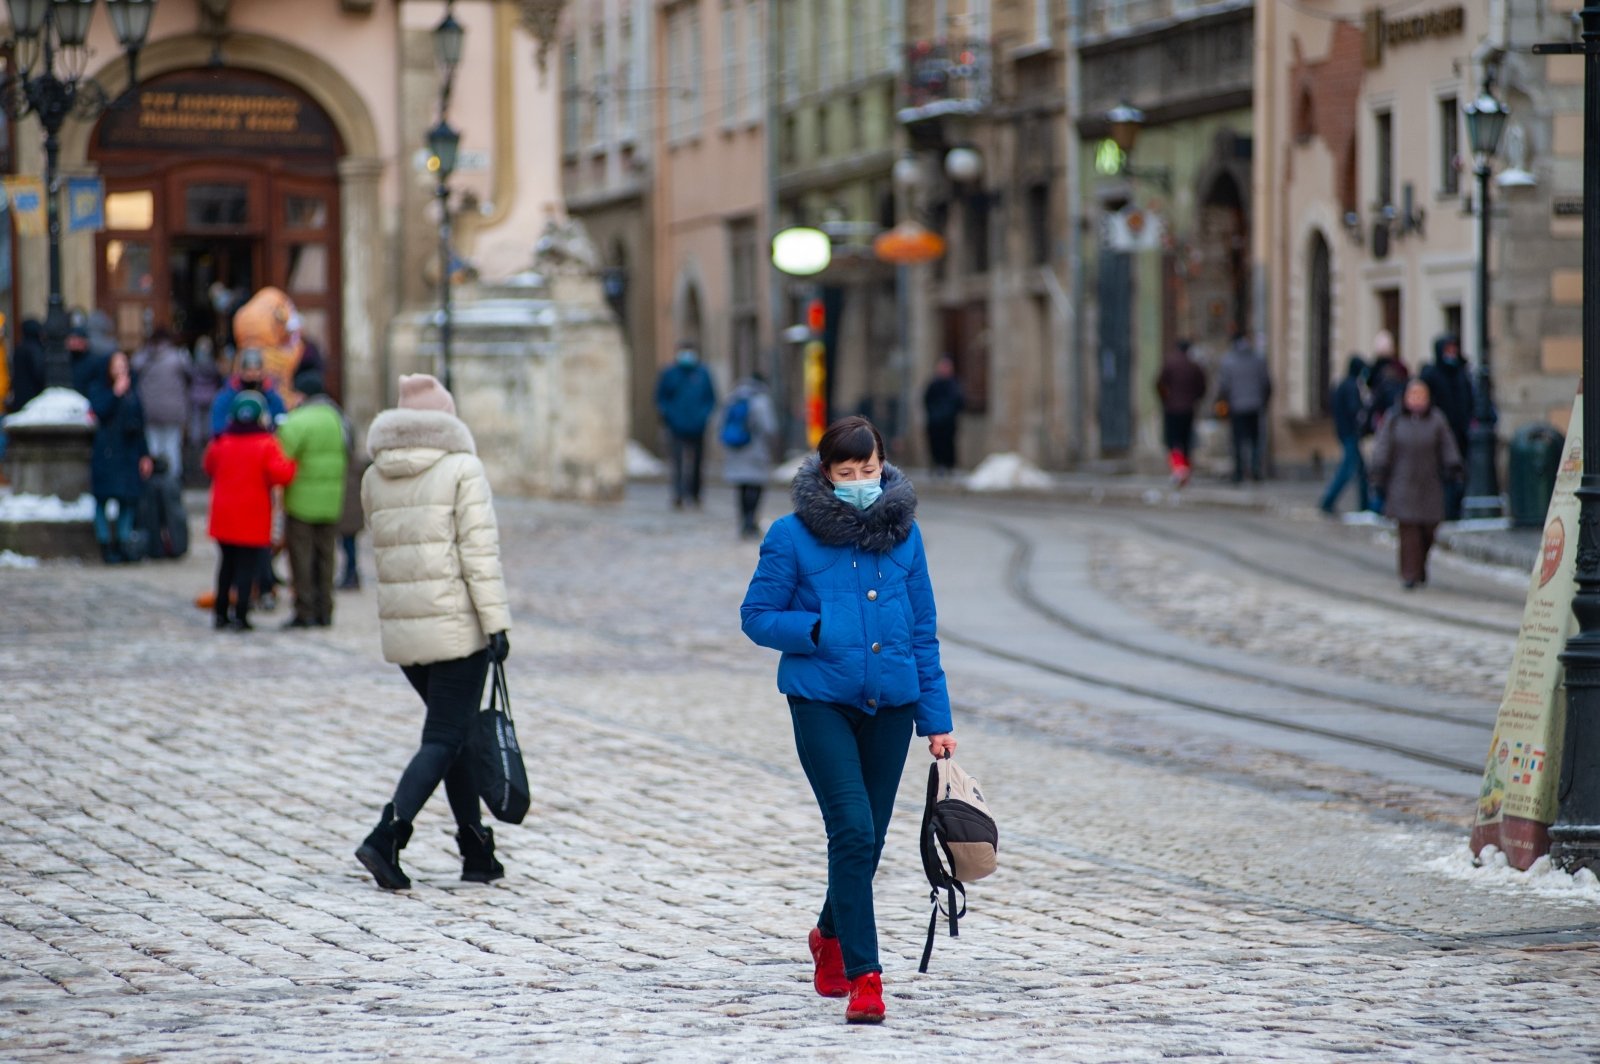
(495, 757)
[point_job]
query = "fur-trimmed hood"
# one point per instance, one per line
(405, 442)
(878, 529)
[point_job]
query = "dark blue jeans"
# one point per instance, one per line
(854, 761)
(452, 691)
(1352, 466)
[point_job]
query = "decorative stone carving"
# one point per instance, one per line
(540, 19)
(564, 248)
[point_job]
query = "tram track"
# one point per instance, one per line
(1019, 587)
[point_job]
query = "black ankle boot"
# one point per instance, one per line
(477, 855)
(380, 852)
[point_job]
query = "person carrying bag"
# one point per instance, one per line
(442, 611)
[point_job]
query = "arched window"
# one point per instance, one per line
(1319, 326)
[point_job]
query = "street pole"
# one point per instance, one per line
(446, 313)
(1483, 490)
(1575, 836)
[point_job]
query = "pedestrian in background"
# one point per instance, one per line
(244, 463)
(685, 397)
(842, 589)
(442, 611)
(942, 403)
(27, 365)
(1450, 384)
(164, 371)
(1415, 455)
(749, 430)
(316, 436)
(1181, 385)
(205, 381)
(120, 461)
(1349, 424)
(1244, 384)
(351, 519)
(250, 375)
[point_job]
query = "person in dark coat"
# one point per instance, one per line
(1181, 385)
(1349, 424)
(1244, 386)
(1450, 383)
(842, 589)
(942, 403)
(27, 365)
(1415, 455)
(121, 460)
(685, 397)
(87, 367)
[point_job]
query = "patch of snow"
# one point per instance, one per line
(1482, 524)
(15, 507)
(787, 468)
(1007, 472)
(53, 406)
(1366, 517)
(641, 463)
(10, 559)
(1493, 870)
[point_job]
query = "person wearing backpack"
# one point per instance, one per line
(749, 429)
(842, 590)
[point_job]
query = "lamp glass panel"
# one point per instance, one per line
(447, 42)
(443, 143)
(27, 16)
(131, 20)
(72, 19)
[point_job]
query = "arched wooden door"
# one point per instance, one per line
(218, 183)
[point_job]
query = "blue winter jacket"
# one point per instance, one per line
(845, 595)
(685, 396)
(222, 405)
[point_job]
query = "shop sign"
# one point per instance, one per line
(1381, 33)
(212, 113)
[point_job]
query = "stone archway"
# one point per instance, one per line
(365, 306)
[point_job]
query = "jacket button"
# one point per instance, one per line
(876, 647)
(872, 703)
(872, 596)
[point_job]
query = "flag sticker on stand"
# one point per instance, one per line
(27, 204)
(86, 204)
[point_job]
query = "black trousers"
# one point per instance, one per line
(687, 452)
(1246, 445)
(1177, 427)
(311, 554)
(749, 503)
(236, 572)
(942, 444)
(452, 691)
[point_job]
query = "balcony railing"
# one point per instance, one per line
(945, 78)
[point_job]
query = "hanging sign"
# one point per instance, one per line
(26, 195)
(86, 204)
(1517, 803)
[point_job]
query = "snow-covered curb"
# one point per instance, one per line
(1007, 472)
(1493, 870)
(10, 559)
(45, 508)
(53, 407)
(641, 464)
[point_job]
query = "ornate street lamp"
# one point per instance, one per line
(1575, 836)
(1125, 121)
(47, 44)
(444, 143)
(1486, 120)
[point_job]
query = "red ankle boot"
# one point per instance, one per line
(829, 979)
(866, 999)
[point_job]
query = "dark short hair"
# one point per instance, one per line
(309, 382)
(850, 439)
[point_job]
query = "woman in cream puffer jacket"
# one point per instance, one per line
(442, 611)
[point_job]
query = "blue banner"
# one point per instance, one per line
(86, 204)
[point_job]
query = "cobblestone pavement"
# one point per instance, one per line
(180, 808)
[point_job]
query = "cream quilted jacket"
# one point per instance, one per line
(431, 514)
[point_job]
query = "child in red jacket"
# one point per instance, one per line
(244, 463)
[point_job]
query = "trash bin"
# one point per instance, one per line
(1532, 464)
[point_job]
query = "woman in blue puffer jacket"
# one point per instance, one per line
(842, 590)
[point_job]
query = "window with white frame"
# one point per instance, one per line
(627, 93)
(598, 67)
(696, 69)
(789, 61)
(755, 62)
(571, 97)
(1449, 146)
(730, 63)
(683, 72)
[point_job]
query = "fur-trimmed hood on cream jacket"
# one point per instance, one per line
(431, 514)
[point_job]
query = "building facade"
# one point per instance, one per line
(282, 144)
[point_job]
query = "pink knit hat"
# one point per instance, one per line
(422, 391)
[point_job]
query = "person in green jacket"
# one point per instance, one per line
(316, 435)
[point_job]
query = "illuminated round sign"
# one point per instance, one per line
(802, 251)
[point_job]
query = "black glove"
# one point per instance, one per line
(499, 647)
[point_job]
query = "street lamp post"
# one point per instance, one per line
(47, 46)
(1486, 120)
(443, 145)
(1575, 836)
